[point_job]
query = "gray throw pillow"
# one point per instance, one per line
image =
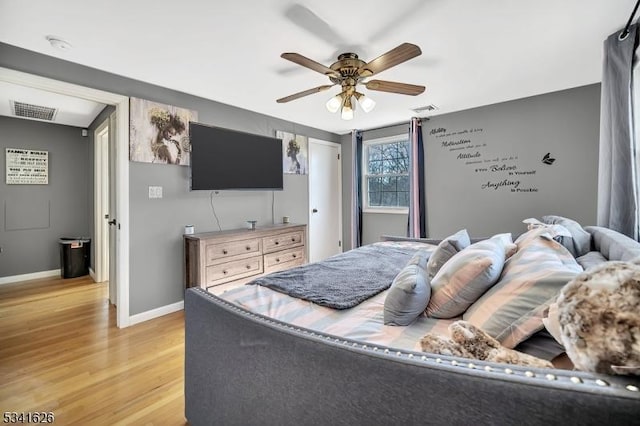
(408, 296)
(446, 250)
(420, 258)
(580, 242)
(591, 259)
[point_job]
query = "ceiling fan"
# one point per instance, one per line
(349, 71)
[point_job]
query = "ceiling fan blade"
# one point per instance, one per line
(304, 17)
(304, 93)
(395, 56)
(393, 87)
(309, 63)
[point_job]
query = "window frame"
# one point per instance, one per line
(365, 174)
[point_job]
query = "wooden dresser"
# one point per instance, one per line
(240, 255)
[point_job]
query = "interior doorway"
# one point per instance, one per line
(325, 199)
(119, 203)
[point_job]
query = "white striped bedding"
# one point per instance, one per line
(363, 322)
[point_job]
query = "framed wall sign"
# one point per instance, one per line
(27, 167)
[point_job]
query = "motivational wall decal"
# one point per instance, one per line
(496, 171)
(547, 159)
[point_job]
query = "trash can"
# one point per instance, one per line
(74, 256)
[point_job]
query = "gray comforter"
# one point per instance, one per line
(342, 281)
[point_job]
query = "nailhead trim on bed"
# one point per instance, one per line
(516, 371)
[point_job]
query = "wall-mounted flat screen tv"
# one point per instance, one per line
(227, 159)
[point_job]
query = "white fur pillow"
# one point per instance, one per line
(600, 320)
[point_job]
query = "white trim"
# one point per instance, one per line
(92, 274)
(155, 313)
(388, 210)
(364, 168)
(386, 139)
(31, 276)
(122, 167)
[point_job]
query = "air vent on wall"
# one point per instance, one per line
(21, 109)
(427, 108)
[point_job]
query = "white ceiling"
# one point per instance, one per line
(474, 52)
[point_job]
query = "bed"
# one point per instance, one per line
(256, 355)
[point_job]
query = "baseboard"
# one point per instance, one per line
(92, 275)
(155, 313)
(28, 277)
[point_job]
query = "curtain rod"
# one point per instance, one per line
(625, 32)
(398, 124)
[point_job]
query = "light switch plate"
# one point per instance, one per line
(155, 192)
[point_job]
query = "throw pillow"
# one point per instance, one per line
(512, 310)
(580, 241)
(445, 251)
(467, 275)
(552, 323)
(591, 259)
(599, 321)
(468, 341)
(408, 296)
(420, 258)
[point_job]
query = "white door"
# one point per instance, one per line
(112, 219)
(101, 202)
(325, 200)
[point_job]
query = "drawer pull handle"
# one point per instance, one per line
(224, 251)
(293, 239)
(277, 259)
(248, 266)
(248, 247)
(224, 272)
(277, 242)
(294, 255)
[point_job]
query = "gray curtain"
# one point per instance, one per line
(618, 167)
(417, 227)
(356, 188)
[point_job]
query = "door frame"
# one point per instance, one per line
(100, 190)
(339, 146)
(122, 168)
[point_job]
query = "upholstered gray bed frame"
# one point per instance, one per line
(246, 369)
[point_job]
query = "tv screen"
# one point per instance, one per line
(227, 159)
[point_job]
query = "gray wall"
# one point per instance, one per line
(34, 217)
(564, 124)
(156, 225)
(513, 134)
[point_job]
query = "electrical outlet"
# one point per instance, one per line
(155, 192)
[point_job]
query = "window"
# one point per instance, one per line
(385, 174)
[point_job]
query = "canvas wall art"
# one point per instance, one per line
(294, 153)
(159, 133)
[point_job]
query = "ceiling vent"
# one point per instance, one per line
(21, 109)
(427, 108)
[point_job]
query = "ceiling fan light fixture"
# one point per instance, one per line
(365, 102)
(333, 104)
(347, 109)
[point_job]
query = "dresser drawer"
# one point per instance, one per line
(234, 270)
(283, 241)
(283, 256)
(217, 253)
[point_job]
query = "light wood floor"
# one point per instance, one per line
(60, 351)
